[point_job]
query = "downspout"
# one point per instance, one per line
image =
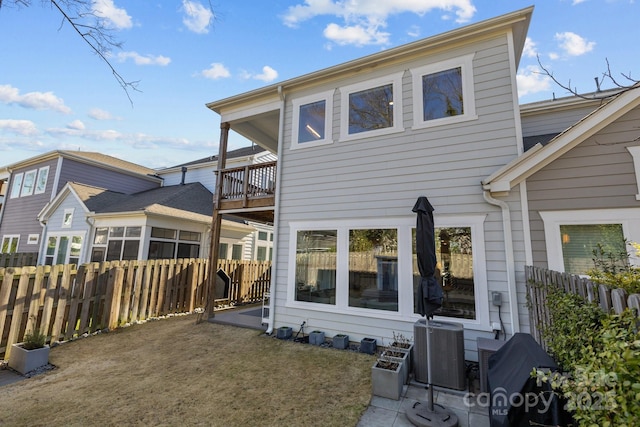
(276, 216)
(510, 261)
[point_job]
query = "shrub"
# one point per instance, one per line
(33, 340)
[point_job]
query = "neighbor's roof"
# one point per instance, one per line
(100, 159)
(240, 152)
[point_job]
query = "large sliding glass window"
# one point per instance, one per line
(315, 272)
(373, 269)
(454, 271)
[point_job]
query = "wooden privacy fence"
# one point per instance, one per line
(18, 259)
(63, 301)
(539, 280)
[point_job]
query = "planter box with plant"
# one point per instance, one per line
(341, 341)
(400, 356)
(402, 343)
(30, 354)
(316, 338)
(386, 378)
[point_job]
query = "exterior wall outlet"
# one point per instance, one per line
(496, 326)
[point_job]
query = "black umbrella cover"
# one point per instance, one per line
(429, 290)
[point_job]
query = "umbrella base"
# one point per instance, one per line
(420, 415)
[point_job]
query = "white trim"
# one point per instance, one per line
(396, 81)
(629, 218)
(635, 153)
(16, 185)
(68, 213)
(404, 226)
(468, 92)
(33, 239)
(28, 191)
(11, 237)
(327, 97)
(41, 171)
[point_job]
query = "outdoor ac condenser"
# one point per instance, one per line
(447, 354)
(486, 347)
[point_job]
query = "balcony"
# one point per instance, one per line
(249, 191)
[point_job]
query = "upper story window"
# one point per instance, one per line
(28, 183)
(312, 120)
(67, 218)
(443, 92)
(371, 108)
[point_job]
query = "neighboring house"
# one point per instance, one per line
(234, 243)
(4, 177)
(357, 144)
(582, 187)
(90, 224)
(35, 182)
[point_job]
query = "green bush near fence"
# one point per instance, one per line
(614, 269)
(599, 354)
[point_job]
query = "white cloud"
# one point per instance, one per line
(573, 44)
(532, 80)
(32, 100)
(268, 74)
(414, 31)
(197, 17)
(355, 35)
(99, 114)
(216, 71)
(530, 48)
(19, 127)
(118, 18)
(76, 124)
(144, 59)
(362, 20)
(575, 2)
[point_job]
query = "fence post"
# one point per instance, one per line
(18, 308)
(114, 291)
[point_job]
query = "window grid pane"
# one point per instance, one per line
(311, 122)
(442, 94)
(371, 109)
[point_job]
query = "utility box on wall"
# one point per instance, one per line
(447, 354)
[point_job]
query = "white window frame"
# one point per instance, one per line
(468, 92)
(16, 185)
(11, 237)
(635, 153)
(33, 239)
(404, 225)
(58, 236)
(67, 218)
(41, 180)
(327, 97)
(629, 218)
(28, 191)
(396, 81)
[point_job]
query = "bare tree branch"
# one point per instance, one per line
(605, 75)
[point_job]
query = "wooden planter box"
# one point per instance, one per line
(25, 361)
(316, 338)
(386, 382)
(341, 341)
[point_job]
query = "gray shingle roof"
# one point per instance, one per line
(240, 152)
(530, 141)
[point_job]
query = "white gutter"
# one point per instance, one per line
(510, 262)
(276, 216)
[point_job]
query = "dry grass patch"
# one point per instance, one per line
(174, 372)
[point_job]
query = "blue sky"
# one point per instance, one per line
(55, 93)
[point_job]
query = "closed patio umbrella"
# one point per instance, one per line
(429, 297)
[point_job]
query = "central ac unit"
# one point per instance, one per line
(447, 354)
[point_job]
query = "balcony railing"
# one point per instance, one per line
(249, 186)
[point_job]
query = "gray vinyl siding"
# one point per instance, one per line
(554, 121)
(381, 177)
(74, 171)
(19, 215)
(597, 174)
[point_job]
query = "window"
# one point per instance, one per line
(236, 252)
(161, 250)
(262, 235)
(116, 244)
(10, 244)
(170, 246)
(635, 154)
(315, 266)
(41, 180)
(163, 233)
(312, 120)
(16, 185)
(454, 271)
(67, 218)
(571, 236)
(189, 236)
(444, 92)
(223, 251)
(371, 108)
(261, 254)
(63, 249)
(366, 267)
(28, 183)
(373, 269)
(33, 239)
